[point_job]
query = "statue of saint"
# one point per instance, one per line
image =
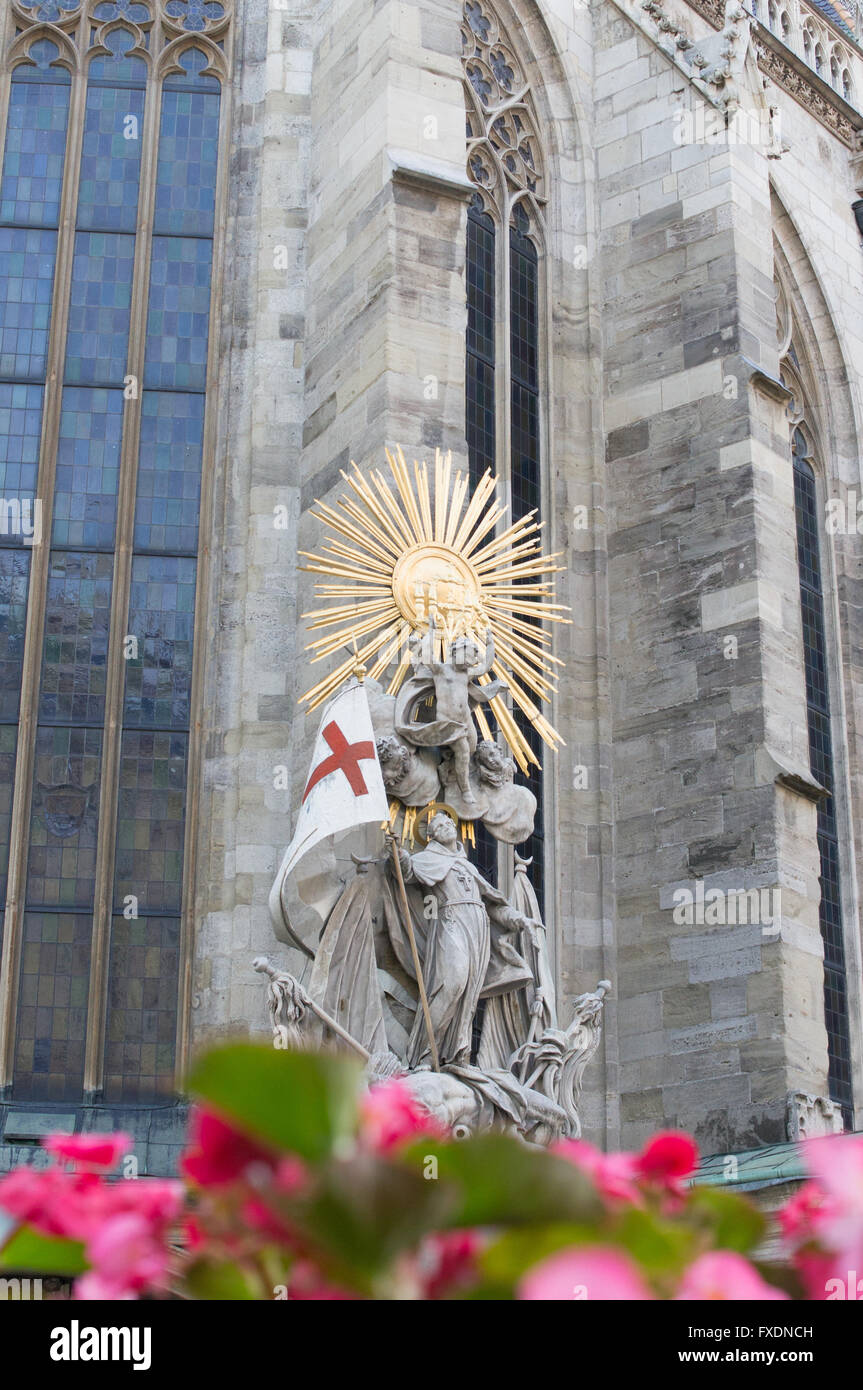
(454, 684)
(468, 955)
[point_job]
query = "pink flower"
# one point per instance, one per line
(390, 1115)
(157, 1200)
(307, 1284)
(723, 1274)
(127, 1255)
(614, 1175)
(220, 1154)
(91, 1151)
(667, 1159)
(589, 1272)
(836, 1164)
(292, 1176)
(50, 1200)
(93, 1287)
(447, 1261)
(800, 1217)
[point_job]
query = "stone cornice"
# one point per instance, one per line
(788, 71)
(436, 176)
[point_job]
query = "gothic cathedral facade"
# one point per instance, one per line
(610, 249)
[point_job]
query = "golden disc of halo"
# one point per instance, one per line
(436, 576)
(425, 815)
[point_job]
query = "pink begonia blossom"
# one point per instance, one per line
(723, 1274)
(446, 1261)
(614, 1175)
(667, 1159)
(218, 1154)
(823, 1222)
(126, 1253)
(391, 1115)
(307, 1284)
(49, 1200)
(836, 1165)
(589, 1272)
(94, 1287)
(93, 1151)
(292, 1176)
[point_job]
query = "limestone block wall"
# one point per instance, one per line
(716, 1020)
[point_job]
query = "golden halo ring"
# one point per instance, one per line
(425, 815)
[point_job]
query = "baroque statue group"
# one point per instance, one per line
(420, 963)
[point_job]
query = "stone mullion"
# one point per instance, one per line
(202, 623)
(39, 564)
(116, 665)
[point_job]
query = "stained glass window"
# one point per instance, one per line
(525, 477)
(821, 761)
(517, 377)
(479, 386)
(121, 246)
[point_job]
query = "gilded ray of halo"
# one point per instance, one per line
(402, 551)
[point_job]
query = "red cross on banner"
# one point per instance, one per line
(345, 757)
(355, 795)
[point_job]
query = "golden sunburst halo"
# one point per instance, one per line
(413, 558)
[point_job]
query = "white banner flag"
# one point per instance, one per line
(344, 787)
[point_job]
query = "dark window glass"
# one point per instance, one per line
(88, 466)
(178, 314)
(26, 283)
(52, 1006)
(111, 151)
(821, 761)
(61, 867)
(143, 974)
(8, 745)
(75, 653)
(14, 578)
(142, 1008)
(169, 472)
(150, 820)
(525, 463)
(479, 395)
(20, 427)
(480, 405)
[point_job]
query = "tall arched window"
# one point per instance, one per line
(107, 220)
(503, 367)
(816, 667)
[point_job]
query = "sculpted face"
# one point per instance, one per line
(463, 655)
(490, 756)
(442, 829)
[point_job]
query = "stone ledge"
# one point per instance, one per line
(437, 176)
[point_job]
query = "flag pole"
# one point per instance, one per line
(414, 952)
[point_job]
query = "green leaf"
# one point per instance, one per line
(365, 1211)
(506, 1260)
(30, 1252)
(502, 1181)
(212, 1282)
(300, 1102)
(659, 1246)
(732, 1221)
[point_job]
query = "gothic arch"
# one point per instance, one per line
(822, 428)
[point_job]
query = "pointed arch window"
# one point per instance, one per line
(818, 709)
(503, 272)
(114, 129)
